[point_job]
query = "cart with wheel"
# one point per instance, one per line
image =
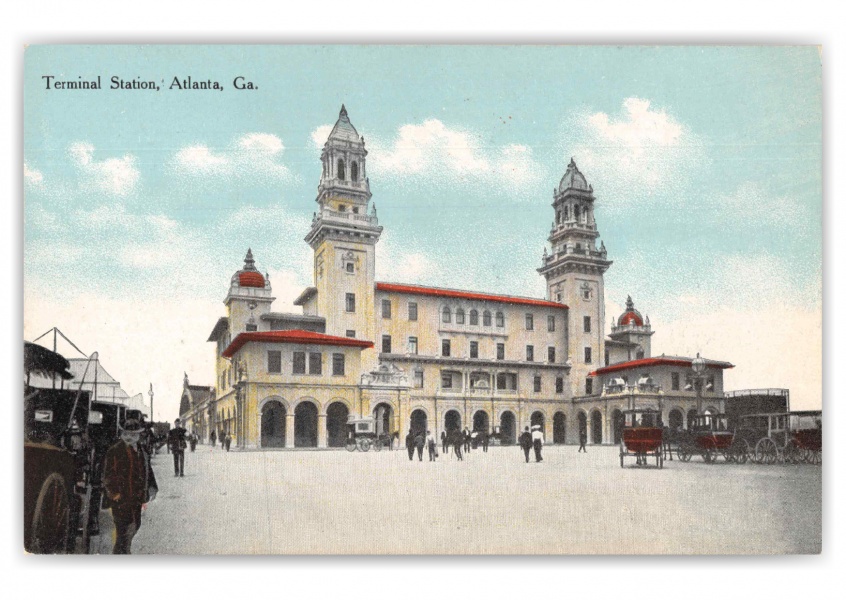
(766, 434)
(642, 436)
(710, 436)
(805, 443)
(362, 436)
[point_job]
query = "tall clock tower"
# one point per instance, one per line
(574, 272)
(343, 235)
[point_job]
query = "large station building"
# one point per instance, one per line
(432, 358)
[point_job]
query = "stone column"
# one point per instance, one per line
(289, 430)
(322, 434)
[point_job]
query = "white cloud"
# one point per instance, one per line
(638, 154)
(436, 151)
(118, 176)
(320, 135)
(752, 205)
(252, 156)
(32, 176)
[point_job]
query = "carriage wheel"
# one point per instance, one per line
(51, 520)
(363, 444)
(791, 453)
(377, 445)
(350, 446)
(816, 457)
(684, 453)
(741, 451)
(766, 451)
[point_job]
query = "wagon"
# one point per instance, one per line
(710, 436)
(788, 437)
(361, 435)
(642, 436)
(805, 444)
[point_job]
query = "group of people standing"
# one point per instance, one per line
(225, 440)
(461, 442)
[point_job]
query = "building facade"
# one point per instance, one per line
(418, 357)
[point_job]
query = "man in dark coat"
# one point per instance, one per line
(485, 440)
(192, 441)
(582, 440)
(467, 440)
(177, 443)
(419, 442)
(128, 484)
(213, 438)
(409, 445)
(526, 443)
(227, 441)
(444, 443)
(457, 443)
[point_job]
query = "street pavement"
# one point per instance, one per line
(338, 502)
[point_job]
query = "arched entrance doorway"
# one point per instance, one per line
(691, 414)
(596, 427)
(452, 420)
(336, 424)
(559, 428)
(676, 419)
(617, 425)
(384, 417)
(507, 428)
(480, 421)
(537, 418)
(305, 425)
(419, 421)
(273, 419)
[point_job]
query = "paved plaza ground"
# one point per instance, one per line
(331, 502)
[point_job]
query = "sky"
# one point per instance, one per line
(706, 164)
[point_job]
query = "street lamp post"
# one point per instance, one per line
(152, 414)
(698, 366)
(240, 393)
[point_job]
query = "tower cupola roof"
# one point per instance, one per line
(573, 179)
(343, 129)
(631, 316)
(249, 276)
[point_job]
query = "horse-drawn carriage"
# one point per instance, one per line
(710, 436)
(788, 438)
(362, 435)
(58, 458)
(642, 436)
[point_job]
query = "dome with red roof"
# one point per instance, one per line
(632, 316)
(249, 276)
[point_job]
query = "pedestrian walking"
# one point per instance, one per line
(129, 484)
(213, 438)
(419, 442)
(409, 444)
(485, 440)
(457, 443)
(444, 444)
(228, 441)
(177, 444)
(526, 442)
(537, 442)
(432, 445)
(467, 440)
(193, 442)
(222, 437)
(582, 440)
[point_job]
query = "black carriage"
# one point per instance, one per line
(361, 435)
(786, 437)
(710, 436)
(642, 436)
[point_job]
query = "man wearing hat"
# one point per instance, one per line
(177, 443)
(537, 442)
(526, 442)
(128, 484)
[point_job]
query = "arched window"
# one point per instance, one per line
(500, 319)
(474, 317)
(447, 316)
(557, 217)
(566, 212)
(341, 174)
(354, 171)
(575, 211)
(486, 318)
(459, 316)
(639, 353)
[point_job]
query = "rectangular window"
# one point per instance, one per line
(350, 267)
(351, 333)
(459, 316)
(587, 324)
(589, 386)
(412, 311)
(530, 353)
(386, 309)
(274, 361)
(315, 363)
(675, 381)
(474, 349)
(412, 345)
(418, 379)
(506, 381)
(446, 380)
(537, 383)
(559, 385)
(607, 358)
(588, 356)
(252, 327)
(337, 364)
(500, 319)
(299, 363)
(350, 302)
(530, 321)
(550, 323)
(386, 344)
(486, 318)
(550, 354)
(500, 351)
(445, 347)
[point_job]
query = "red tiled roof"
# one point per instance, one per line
(671, 361)
(444, 293)
(250, 279)
(291, 336)
(631, 317)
